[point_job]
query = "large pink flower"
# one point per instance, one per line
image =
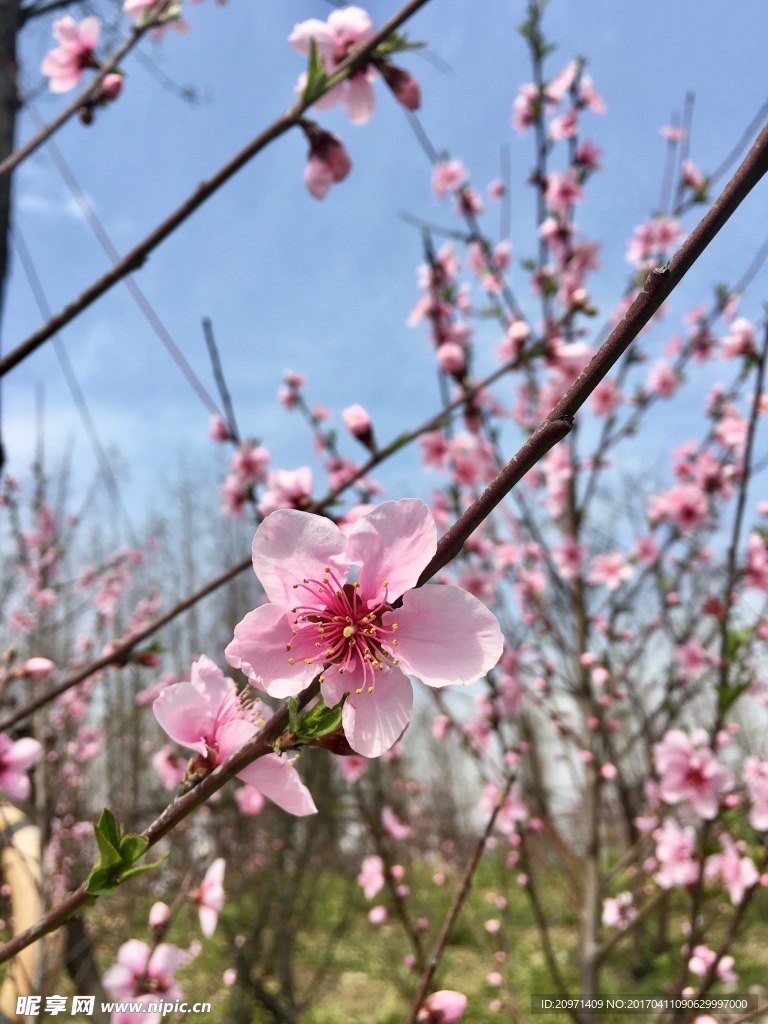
(207, 715)
(347, 28)
(689, 771)
(65, 64)
(319, 621)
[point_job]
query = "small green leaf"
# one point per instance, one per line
(293, 715)
(100, 882)
(317, 79)
(396, 43)
(320, 721)
(142, 869)
(108, 825)
(132, 848)
(108, 855)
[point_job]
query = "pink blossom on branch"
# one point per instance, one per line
(318, 622)
(16, 758)
(328, 161)
(207, 715)
(689, 772)
(65, 64)
(347, 29)
(144, 975)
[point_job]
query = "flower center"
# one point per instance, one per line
(337, 629)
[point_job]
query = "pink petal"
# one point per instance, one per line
(185, 715)
(445, 635)
(232, 736)
(118, 981)
(89, 32)
(15, 785)
(358, 98)
(134, 955)
(208, 920)
(23, 754)
(291, 546)
(206, 675)
(166, 959)
(331, 98)
(351, 21)
(392, 543)
(277, 779)
(373, 722)
(67, 32)
(259, 650)
(315, 29)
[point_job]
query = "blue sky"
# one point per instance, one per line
(325, 287)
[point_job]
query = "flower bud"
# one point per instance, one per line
(403, 85)
(358, 423)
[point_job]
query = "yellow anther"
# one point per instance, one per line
(291, 661)
(321, 679)
(385, 583)
(394, 643)
(327, 568)
(395, 661)
(329, 653)
(394, 625)
(370, 689)
(358, 692)
(356, 586)
(348, 631)
(308, 661)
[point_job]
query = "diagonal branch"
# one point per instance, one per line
(138, 255)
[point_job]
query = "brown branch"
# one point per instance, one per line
(82, 99)
(661, 281)
(458, 902)
(122, 651)
(256, 747)
(138, 255)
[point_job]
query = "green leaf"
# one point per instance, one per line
(142, 869)
(108, 825)
(108, 855)
(735, 640)
(396, 43)
(320, 721)
(100, 882)
(132, 848)
(317, 79)
(728, 695)
(293, 715)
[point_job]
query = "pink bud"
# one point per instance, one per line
(328, 162)
(452, 359)
(218, 430)
(444, 1007)
(403, 85)
(36, 668)
(159, 916)
(110, 88)
(358, 423)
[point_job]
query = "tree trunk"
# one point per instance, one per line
(10, 23)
